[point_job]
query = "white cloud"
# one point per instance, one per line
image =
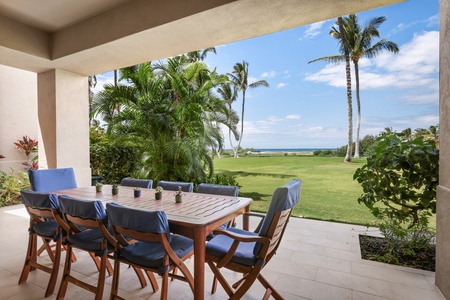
(269, 74)
(416, 65)
(281, 85)
(293, 117)
(313, 30)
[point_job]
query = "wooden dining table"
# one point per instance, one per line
(195, 217)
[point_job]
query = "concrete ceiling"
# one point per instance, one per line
(93, 36)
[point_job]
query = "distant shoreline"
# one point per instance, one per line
(284, 150)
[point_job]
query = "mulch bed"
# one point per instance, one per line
(376, 246)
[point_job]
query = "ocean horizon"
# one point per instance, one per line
(293, 150)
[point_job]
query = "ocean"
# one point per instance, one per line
(293, 150)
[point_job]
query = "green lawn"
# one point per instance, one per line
(328, 190)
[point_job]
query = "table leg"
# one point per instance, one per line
(246, 219)
(199, 263)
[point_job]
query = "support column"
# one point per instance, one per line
(63, 112)
(443, 193)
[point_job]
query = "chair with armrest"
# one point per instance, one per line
(87, 230)
(248, 252)
(133, 182)
(218, 189)
(155, 249)
(48, 180)
(187, 187)
(39, 206)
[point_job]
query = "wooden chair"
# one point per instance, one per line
(86, 225)
(248, 252)
(133, 182)
(218, 189)
(155, 250)
(39, 206)
(49, 180)
(187, 187)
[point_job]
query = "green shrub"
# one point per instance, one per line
(114, 162)
(223, 180)
(10, 186)
(400, 179)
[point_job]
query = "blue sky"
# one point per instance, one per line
(306, 104)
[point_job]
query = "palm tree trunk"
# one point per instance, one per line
(242, 126)
(348, 156)
(358, 105)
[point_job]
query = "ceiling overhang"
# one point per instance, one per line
(116, 34)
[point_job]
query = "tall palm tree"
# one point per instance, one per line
(344, 43)
(360, 45)
(229, 93)
(239, 77)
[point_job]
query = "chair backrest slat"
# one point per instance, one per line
(283, 201)
(217, 189)
(141, 183)
(47, 180)
(137, 219)
(187, 187)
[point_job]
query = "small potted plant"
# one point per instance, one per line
(158, 193)
(115, 189)
(137, 192)
(179, 195)
(98, 187)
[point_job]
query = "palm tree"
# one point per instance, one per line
(228, 93)
(359, 40)
(239, 77)
(199, 55)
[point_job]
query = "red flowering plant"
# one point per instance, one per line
(28, 145)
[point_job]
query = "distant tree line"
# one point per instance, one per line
(369, 142)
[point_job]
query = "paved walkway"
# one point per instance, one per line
(316, 260)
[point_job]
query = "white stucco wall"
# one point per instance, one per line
(18, 114)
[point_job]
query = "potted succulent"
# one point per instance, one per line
(115, 189)
(179, 195)
(98, 187)
(137, 192)
(158, 193)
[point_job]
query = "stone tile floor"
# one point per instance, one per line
(316, 260)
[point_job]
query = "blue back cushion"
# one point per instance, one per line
(217, 189)
(285, 197)
(136, 219)
(88, 209)
(36, 199)
(47, 180)
(142, 183)
(187, 187)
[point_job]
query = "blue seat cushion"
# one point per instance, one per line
(90, 240)
(149, 254)
(46, 229)
(220, 245)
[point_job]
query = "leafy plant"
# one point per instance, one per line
(28, 145)
(400, 179)
(10, 186)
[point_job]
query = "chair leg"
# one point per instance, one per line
(66, 274)
(97, 262)
(218, 276)
(55, 269)
(115, 282)
(165, 286)
(270, 290)
(101, 277)
(153, 282)
(30, 256)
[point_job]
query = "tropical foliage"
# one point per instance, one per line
(170, 114)
(400, 180)
(10, 186)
